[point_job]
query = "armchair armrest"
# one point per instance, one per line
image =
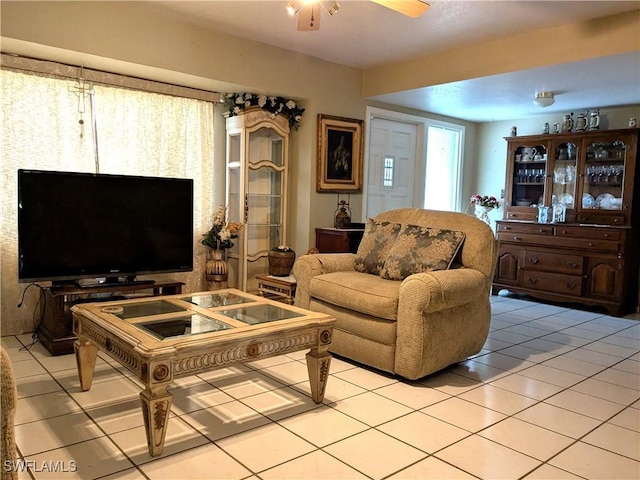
(441, 289)
(308, 266)
(443, 317)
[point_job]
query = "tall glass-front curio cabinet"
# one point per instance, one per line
(257, 157)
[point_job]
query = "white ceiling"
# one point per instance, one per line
(363, 34)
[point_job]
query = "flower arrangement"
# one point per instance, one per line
(220, 234)
(484, 201)
(237, 102)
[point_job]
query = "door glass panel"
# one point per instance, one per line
(604, 176)
(564, 174)
(387, 176)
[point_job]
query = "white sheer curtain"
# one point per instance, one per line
(138, 133)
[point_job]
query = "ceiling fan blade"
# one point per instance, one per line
(309, 18)
(410, 8)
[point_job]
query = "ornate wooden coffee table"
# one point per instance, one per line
(162, 338)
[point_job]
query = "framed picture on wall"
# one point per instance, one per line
(340, 152)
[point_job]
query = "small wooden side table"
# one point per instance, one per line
(284, 287)
(338, 240)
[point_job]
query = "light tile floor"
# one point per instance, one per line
(554, 394)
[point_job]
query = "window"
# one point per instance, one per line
(443, 172)
(388, 174)
(138, 133)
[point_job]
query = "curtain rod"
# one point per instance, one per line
(51, 68)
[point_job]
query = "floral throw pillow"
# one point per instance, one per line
(377, 240)
(421, 249)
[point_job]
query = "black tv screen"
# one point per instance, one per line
(82, 225)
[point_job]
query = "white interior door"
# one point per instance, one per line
(391, 179)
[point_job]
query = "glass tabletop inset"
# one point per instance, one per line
(257, 314)
(146, 309)
(182, 326)
(211, 300)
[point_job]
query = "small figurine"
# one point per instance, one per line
(594, 120)
(514, 131)
(567, 123)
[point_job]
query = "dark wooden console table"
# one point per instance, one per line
(338, 240)
(56, 330)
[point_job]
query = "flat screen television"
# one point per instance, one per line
(74, 226)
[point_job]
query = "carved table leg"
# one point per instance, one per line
(156, 405)
(318, 361)
(86, 354)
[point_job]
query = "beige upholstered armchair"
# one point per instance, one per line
(388, 317)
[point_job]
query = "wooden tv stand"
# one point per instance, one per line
(56, 330)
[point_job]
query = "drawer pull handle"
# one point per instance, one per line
(606, 234)
(590, 244)
(516, 238)
(572, 265)
(571, 286)
(564, 232)
(533, 280)
(533, 260)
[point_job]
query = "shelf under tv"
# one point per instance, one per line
(56, 330)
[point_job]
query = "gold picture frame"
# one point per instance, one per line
(339, 155)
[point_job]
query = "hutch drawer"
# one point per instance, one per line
(601, 219)
(555, 282)
(600, 245)
(591, 233)
(553, 262)
(537, 228)
(521, 215)
(515, 237)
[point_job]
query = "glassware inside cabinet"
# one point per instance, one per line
(564, 174)
(529, 174)
(604, 176)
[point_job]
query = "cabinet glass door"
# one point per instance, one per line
(235, 201)
(529, 174)
(264, 199)
(565, 168)
(604, 175)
